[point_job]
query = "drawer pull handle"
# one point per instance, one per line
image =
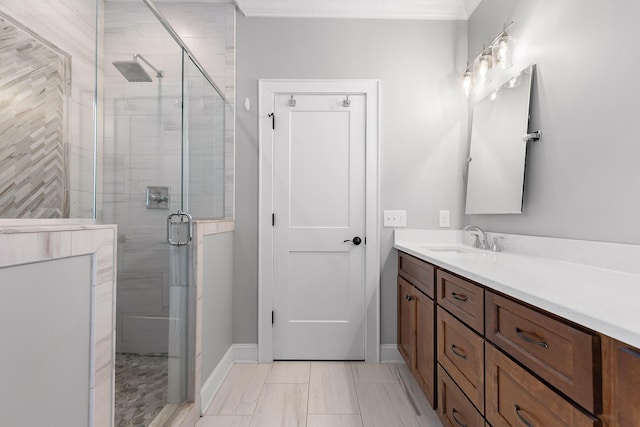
(457, 352)
(455, 418)
(522, 418)
(459, 297)
(522, 335)
(409, 298)
(631, 351)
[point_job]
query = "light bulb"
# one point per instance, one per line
(482, 67)
(501, 52)
(467, 83)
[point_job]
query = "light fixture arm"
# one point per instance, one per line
(504, 32)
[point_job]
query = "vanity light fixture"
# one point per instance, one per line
(482, 65)
(497, 55)
(467, 81)
(501, 50)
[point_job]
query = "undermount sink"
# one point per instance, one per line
(451, 249)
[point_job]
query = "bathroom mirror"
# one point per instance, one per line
(500, 121)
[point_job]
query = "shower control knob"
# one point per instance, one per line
(356, 241)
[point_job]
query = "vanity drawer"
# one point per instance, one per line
(463, 299)
(461, 353)
(417, 272)
(516, 398)
(566, 357)
(454, 409)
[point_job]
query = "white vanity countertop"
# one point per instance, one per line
(605, 300)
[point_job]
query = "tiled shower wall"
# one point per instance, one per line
(70, 25)
(142, 148)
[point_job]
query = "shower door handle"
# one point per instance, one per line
(170, 221)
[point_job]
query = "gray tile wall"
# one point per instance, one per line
(70, 25)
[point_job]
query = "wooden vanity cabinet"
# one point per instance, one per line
(417, 272)
(416, 321)
(425, 361)
(454, 408)
(565, 356)
(501, 362)
(516, 398)
(461, 353)
(406, 322)
(462, 298)
(621, 384)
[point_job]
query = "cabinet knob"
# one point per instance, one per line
(409, 298)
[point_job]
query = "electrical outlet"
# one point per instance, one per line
(395, 218)
(445, 219)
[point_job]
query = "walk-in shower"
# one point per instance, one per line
(133, 70)
(164, 152)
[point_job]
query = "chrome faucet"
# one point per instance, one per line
(477, 244)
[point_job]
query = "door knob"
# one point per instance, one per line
(356, 241)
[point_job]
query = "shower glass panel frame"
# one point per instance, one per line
(165, 150)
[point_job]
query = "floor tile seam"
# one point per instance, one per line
(355, 388)
(255, 407)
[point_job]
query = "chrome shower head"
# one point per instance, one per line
(133, 71)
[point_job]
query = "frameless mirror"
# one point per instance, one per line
(495, 181)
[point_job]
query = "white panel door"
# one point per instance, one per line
(319, 202)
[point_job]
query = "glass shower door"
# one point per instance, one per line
(202, 197)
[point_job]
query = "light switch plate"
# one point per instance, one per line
(395, 218)
(445, 219)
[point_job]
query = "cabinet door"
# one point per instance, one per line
(515, 398)
(406, 322)
(461, 353)
(417, 272)
(563, 355)
(622, 377)
(463, 299)
(454, 409)
(424, 370)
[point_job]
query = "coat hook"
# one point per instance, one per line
(292, 101)
(346, 102)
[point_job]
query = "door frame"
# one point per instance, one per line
(267, 90)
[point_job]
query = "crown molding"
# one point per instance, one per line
(471, 6)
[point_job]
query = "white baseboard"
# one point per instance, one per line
(242, 353)
(211, 385)
(390, 353)
(245, 353)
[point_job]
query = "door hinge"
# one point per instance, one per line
(273, 220)
(272, 317)
(365, 240)
(273, 120)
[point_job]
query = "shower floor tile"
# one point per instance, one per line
(141, 389)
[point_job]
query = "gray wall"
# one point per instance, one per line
(582, 178)
(45, 325)
(216, 300)
(423, 126)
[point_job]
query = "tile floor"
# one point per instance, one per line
(319, 394)
(141, 389)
